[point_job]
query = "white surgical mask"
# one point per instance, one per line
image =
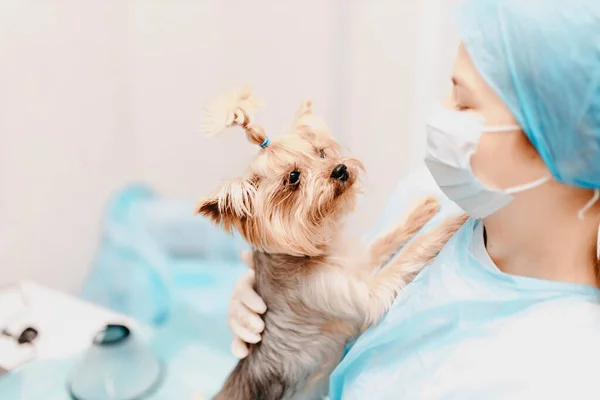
(452, 139)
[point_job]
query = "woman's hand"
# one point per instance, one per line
(245, 308)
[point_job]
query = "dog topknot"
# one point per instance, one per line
(235, 108)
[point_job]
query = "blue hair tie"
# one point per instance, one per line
(265, 143)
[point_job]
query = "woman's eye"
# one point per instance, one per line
(460, 107)
(294, 177)
(321, 153)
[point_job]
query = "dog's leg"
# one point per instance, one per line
(364, 298)
(384, 247)
(385, 286)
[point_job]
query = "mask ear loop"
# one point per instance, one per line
(589, 204)
(501, 128)
(527, 186)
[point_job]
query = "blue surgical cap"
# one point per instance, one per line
(542, 57)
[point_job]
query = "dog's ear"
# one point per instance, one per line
(304, 110)
(232, 203)
(307, 124)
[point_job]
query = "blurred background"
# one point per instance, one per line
(102, 161)
(95, 95)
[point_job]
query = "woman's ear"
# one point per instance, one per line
(230, 204)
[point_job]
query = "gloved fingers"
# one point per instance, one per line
(245, 317)
(248, 335)
(244, 292)
(248, 259)
(239, 349)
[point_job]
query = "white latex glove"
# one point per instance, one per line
(245, 308)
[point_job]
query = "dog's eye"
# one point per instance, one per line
(294, 177)
(322, 153)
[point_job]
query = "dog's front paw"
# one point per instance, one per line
(424, 211)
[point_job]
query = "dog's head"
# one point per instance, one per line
(297, 190)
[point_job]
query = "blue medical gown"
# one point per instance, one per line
(465, 330)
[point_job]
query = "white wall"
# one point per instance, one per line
(95, 94)
(397, 61)
(61, 134)
(183, 53)
(380, 92)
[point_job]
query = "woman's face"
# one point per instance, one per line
(502, 159)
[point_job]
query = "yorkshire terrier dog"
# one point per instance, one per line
(320, 290)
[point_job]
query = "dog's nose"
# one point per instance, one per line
(340, 172)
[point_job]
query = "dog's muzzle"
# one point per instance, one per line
(340, 173)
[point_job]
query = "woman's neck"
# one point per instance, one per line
(541, 242)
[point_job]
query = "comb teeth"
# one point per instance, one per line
(229, 109)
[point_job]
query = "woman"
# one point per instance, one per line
(509, 309)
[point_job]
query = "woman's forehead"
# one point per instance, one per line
(467, 77)
(465, 74)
